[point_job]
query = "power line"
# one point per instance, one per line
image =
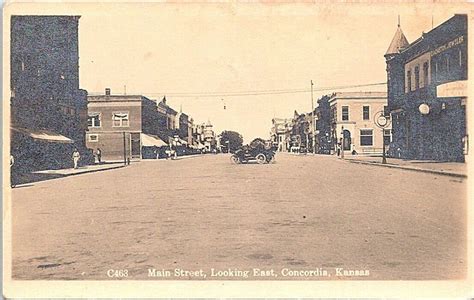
(254, 93)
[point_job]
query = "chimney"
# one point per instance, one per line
(107, 91)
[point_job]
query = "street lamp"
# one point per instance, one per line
(424, 109)
(382, 122)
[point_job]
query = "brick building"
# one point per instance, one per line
(48, 109)
(427, 93)
(122, 126)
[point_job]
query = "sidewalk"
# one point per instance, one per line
(441, 168)
(52, 174)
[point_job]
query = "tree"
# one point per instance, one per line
(231, 140)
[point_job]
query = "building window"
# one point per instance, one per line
(447, 64)
(417, 77)
(387, 136)
(345, 113)
(93, 138)
(408, 81)
(366, 112)
(366, 137)
(425, 74)
(93, 120)
(120, 120)
(460, 58)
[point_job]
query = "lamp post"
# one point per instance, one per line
(176, 140)
(382, 122)
(341, 144)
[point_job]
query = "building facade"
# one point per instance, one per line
(323, 126)
(280, 133)
(427, 93)
(121, 126)
(48, 109)
(352, 121)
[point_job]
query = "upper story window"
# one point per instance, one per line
(417, 77)
(345, 113)
(366, 112)
(426, 70)
(447, 64)
(120, 120)
(93, 120)
(408, 81)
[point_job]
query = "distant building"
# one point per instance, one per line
(323, 126)
(209, 136)
(352, 120)
(168, 121)
(427, 93)
(300, 137)
(123, 126)
(280, 133)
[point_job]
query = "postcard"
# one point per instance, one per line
(237, 149)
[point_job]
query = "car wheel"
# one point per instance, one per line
(261, 158)
(235, 159)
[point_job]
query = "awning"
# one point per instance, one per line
(149, 140)
(44, 135)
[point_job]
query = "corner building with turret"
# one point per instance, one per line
(427, 93)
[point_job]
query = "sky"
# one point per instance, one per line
(158, 49)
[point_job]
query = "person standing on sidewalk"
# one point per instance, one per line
(75, 157)
(99, 155)
(12, 174)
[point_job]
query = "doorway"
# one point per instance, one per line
(135, 145)
(347, 141)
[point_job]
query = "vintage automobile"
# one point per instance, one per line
(258, 150)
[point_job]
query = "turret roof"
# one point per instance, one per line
(399, 42)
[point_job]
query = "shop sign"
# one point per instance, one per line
(452, 89)
(448, 45)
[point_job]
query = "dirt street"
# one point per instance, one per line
(301, 214)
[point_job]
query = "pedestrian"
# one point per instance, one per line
(12, 174)
(75, 157)
(99, 155)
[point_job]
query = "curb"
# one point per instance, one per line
(408, 168)
(72, 174)
(92, 171)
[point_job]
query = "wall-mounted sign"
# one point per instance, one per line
(381, 120)
(452, 89)
(448, 45)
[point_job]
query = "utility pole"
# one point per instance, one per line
(312, 120)
(124, 150)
